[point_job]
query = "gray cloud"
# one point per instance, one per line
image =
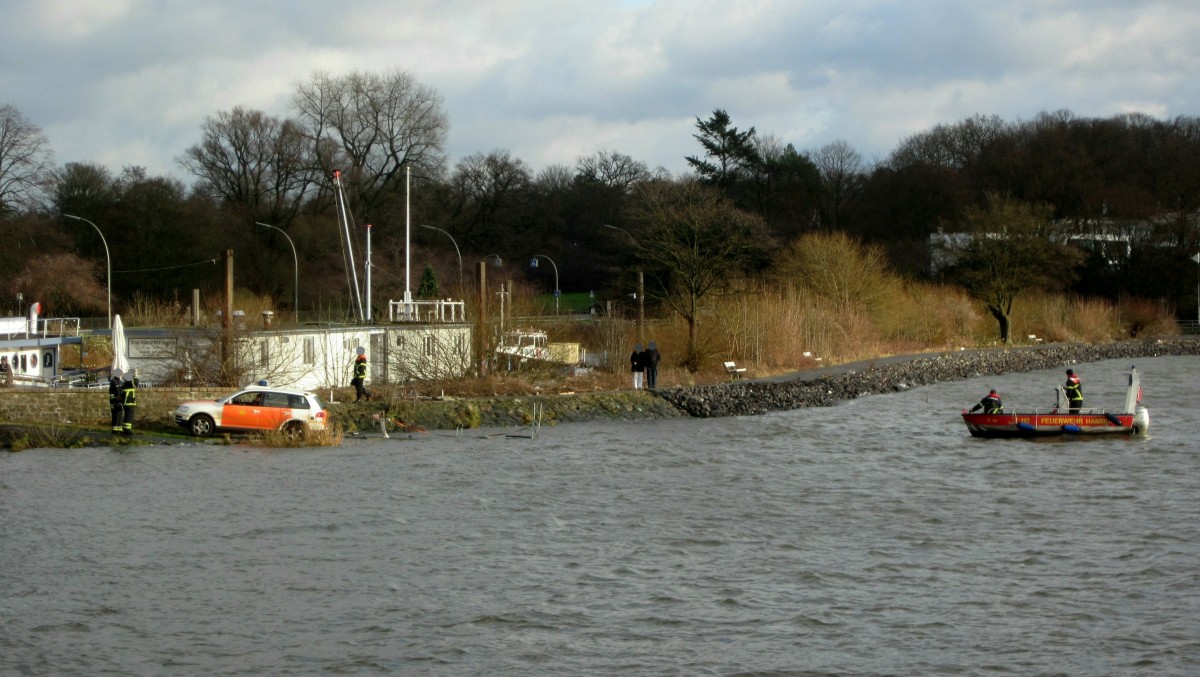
(130, 81)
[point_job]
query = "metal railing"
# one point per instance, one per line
(45, 327)
(427, 311)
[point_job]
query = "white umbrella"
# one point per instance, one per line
(120, 362)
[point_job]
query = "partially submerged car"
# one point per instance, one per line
(254, 409)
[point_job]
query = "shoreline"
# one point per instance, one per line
(822, 387)
(846, 382)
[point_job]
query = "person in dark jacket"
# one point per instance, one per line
(990, 404)
(637, 366)
(128, 402)
(116, 402)
(360, 377)
(1074, 390)
(652, 357)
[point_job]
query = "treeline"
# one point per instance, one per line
(386, 133)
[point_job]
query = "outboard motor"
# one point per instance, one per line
(1133, 402)
(1141, 420)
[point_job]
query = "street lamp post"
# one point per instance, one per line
(107, 258)
(456, 251)
(295, 269)
(1196, 258)
(641, 289)
(533, 264)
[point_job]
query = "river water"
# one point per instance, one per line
(875, 537)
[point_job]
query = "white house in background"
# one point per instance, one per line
(1114, 247)
(307, 357)
(425, 340)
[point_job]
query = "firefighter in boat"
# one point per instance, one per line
(1074, 389)
(990, 404)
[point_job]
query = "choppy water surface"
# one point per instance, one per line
(874, 537)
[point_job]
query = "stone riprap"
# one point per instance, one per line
(888, 375)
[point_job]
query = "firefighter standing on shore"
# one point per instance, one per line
(360, 376)
(128, 403)
(116, 401)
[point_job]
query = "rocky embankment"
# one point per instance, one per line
(886, 376)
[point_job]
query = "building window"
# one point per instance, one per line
(265, 349)
(399, 340)
(428, 346)
(310, 350)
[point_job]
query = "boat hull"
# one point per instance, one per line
(1035, 424)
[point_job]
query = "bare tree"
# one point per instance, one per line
(1013, 247)
(82, 188)
(952, 146)
(485, 196)
(612, 169)
(555, 178)
(25, 160)
(371, 126)
(694, 241)
(254, 162)
(841, 181)
(64, 283)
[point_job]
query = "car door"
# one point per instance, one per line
(243, 411)
(275, 411)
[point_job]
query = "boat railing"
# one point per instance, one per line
(14, 327)
(1052, 411)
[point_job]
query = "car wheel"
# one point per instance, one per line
(294, 430)
(201, 425)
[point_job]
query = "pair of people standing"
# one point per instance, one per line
(644, 363)
(122, 401)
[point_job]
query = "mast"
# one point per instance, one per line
(348, 244)
(407, 232)
(367, 265)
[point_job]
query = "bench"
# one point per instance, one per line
(734, 371)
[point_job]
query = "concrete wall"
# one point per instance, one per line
(80, 406)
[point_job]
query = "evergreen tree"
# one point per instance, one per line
(428, 287)
(729, 155)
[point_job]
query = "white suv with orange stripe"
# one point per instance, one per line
(254, 409)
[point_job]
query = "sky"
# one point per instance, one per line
(130, 82)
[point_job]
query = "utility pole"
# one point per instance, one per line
(641, 292)
(481, 339)
(227, 323)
